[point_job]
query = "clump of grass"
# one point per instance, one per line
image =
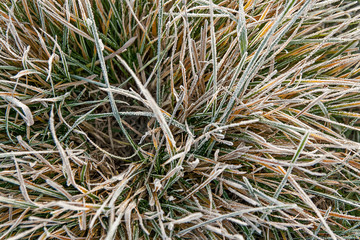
(179, 119)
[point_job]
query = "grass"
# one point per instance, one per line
(175, 119)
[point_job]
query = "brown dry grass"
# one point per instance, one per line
(179, 119)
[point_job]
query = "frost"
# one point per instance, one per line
(158, 185)
(102, 47)
(88, 22)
